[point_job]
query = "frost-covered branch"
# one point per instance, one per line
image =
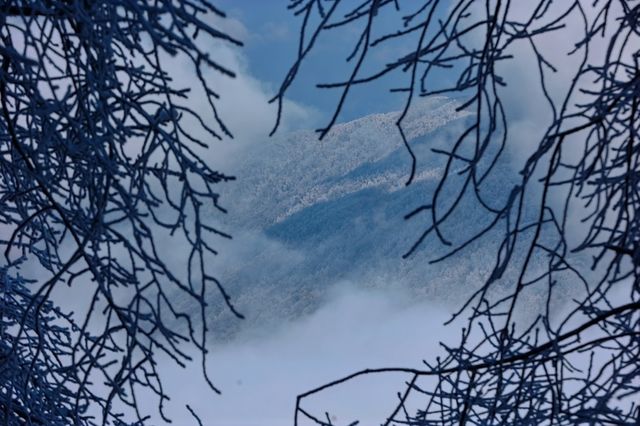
(575, 197)
(100, 165)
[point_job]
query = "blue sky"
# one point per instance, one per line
(271, 43)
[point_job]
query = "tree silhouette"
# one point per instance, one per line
(101, 160)
(576, 197)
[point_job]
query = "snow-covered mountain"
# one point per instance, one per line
(309, 215)
(298, 170)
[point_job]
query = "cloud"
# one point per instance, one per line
(242, 104)
(356, 329)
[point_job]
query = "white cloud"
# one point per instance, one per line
(356, 329)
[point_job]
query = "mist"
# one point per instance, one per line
(357, 328)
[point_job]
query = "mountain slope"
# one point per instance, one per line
(308, 215)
